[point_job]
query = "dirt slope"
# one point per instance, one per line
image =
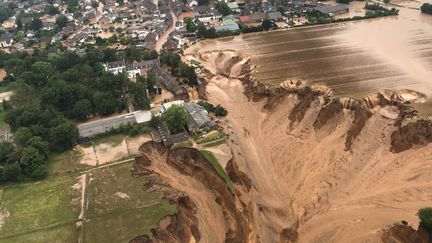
(322, 165)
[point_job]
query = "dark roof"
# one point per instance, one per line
(328, 9)
(274, 15)
(199, 115)
(144, 64)
(115, 64)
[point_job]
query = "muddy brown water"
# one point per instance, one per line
(353, 58)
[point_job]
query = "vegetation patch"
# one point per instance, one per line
(214, 144)
(64, 162)
(34, 207)
(186, 144)
(213, 160)
(212, 136)
(120, 207)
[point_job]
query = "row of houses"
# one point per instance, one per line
(133, 70)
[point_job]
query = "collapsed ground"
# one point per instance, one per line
(311, 162)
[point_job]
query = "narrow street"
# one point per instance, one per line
(162, 39)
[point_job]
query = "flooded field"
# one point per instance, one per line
(353, 58)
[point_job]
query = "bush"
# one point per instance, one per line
(40, 172)
(425, 216)
(217, 110)
(426, 8)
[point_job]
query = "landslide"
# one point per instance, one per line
(322, 168)
(207, 210)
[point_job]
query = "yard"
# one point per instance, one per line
(40, 212)
(117, 207)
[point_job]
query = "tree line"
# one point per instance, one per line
(52, 89)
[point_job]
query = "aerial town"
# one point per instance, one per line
(215, 121)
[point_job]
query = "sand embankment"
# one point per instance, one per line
(335, 169)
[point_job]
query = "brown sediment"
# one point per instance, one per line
(312, 157)
(202, 196)
(400, 233)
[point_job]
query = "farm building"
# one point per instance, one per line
(93, 128)
(333, 9)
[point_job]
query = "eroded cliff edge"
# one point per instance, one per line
(302, 156)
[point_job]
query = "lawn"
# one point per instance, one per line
(212, 136)
(113, 140)
(68, 161)
(120, 207)
(213, 160)
(40, 206)
(4, 88)
(65, 233)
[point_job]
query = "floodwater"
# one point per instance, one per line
(353, 58)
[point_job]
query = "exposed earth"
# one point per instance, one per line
(307, 166)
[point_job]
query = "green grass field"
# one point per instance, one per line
(65, 162)
(213, 160)
(34, 208)
(119, 207)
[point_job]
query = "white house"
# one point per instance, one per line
(115, 67)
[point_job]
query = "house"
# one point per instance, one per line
(245, 19)
(168, 81)
(333, 9)
(186, 15)
(115, 67)
(48, 26)
(275, 16)
(93, 128)
(163, 134)
(234, 7)
(205, 18)
(198, 118)
(192, 3)
(6, 40)
(258, 17)
(104, 20)
(228, 24)
(140, 68)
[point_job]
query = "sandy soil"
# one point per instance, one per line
(207, 208)
(135, 142)
(221, 152)
(106, 152)
(2, 74)
(5, 95)
(88, 155)
(305, 177)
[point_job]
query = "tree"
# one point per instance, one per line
(82, 109)
(23, 94)
(63, 136)
(220, 111)
(203, 2)
(426, 8)
(38, 143)
(22, 135)
(425, 216)
(42, 71)
(5, 13)
(6, 150)
(95, 4)
(31, 158)
(343, 1)
(267, 24)
(61, 22)
(175, 118)
(51, 10)
(222, 8)
(138, 91)
(105, 103)
(36, 24)
(11, 172)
